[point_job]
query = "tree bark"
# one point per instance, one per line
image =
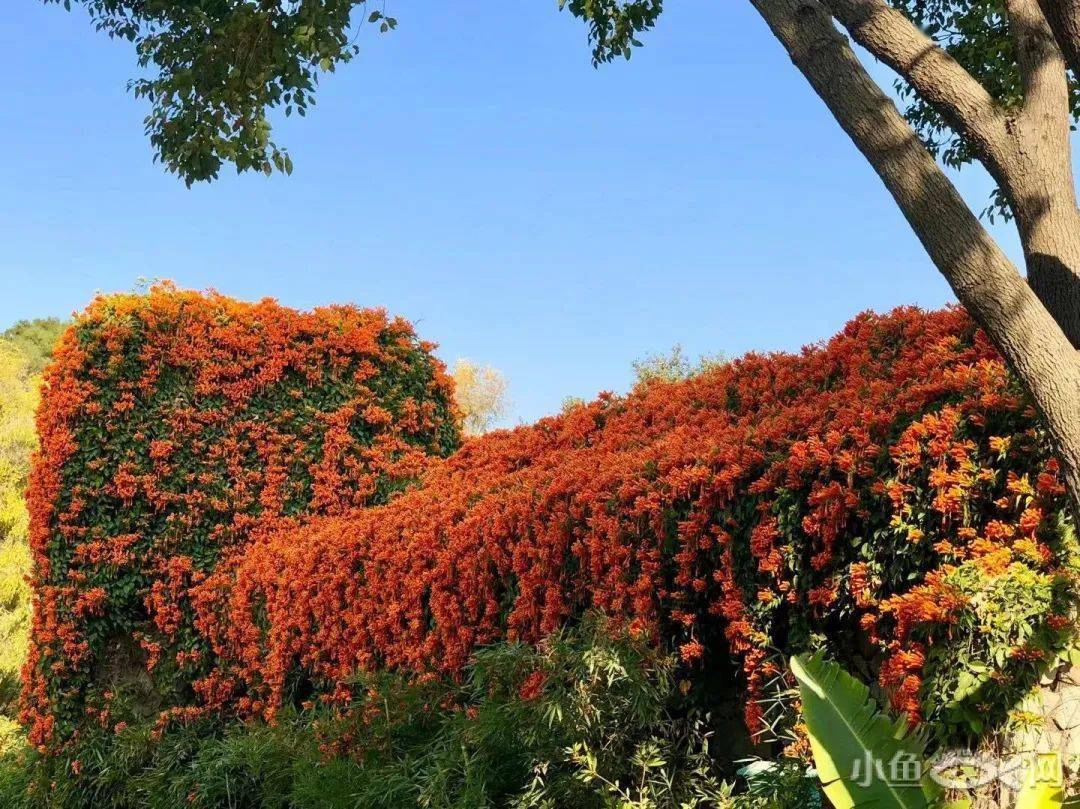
(1051, 242)
(1064, 19)
(1026, 331)
(983, 278)
(1027, 151)
(1038, 175)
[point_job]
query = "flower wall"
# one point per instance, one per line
(177, 425)
(888, 494)
(256, 497)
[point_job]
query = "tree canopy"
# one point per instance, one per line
(480, 391)
(216, 70)
(35, 339)
(18, 398)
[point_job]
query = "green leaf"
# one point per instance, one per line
(848, 733)
(1042, 788)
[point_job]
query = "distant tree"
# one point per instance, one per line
(18, 398)
(674, 366)
(571, 402)
(481, 395)
(35, 339)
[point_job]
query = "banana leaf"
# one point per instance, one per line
(859, 751)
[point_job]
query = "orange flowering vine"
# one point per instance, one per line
(762, 502)
(301, 525)
(176, 425)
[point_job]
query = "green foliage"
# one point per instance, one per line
(674, 366)
(215, 68)
(35, 339)
(845, 728)
(783, 784)
(614, 25)
(1004, 615)
(591, 719)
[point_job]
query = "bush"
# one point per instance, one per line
(176, 425)
(885, 496)
(34, 340)
(590, 719)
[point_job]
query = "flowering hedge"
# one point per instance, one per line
(888, 494)
(176, 425)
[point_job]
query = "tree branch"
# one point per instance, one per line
(942, 81)
(1039, 180)
(1064, 19)
(1042, 67)
(982, 277)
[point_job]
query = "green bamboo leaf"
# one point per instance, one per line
(848, 735)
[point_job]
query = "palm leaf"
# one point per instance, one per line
(847, 731)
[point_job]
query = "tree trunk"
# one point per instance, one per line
(1037, 167)
(1049, 225)
(1064, 19)
(1053, 279)
(982, 277)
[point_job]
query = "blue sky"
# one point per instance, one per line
(473, 172)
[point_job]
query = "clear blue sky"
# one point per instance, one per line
(473, 172)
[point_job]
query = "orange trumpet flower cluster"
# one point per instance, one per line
(764, 503)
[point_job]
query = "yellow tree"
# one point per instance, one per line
(481, 395)
(18, 398)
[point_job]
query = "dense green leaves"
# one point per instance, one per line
(614, 25)
(216, 68)
(35, 339)
(593, 719)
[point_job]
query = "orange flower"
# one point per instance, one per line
(303, 518)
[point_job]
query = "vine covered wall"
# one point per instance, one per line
(176, 425)
(888, 495)
(257, 498)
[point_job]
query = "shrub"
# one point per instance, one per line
(885, 495)
(216, 483)
(590, 719)
(175, 425)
